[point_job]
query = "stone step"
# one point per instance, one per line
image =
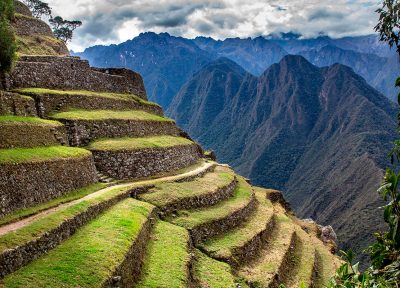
(204, 223)
(244, 243)
(84, 126)
(305, 269)
(201, 192)
(168, 258)
(29, 132)
(275, 263)
(135, 158)
(208, 272)
(30, 176)
(107, 252)
(58, 100)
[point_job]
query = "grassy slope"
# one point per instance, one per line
(212, 273)
(166, 193)
(38, 45)
(4, 119)
(35, 229)
(38, 154)
(139, 143)
(127, 97)
(262, 271)
(168, 258)
(90, 256)
(304, 261)
(79, 193)
(109, 114)
(223, 245)
(192, 218)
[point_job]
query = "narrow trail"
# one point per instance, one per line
(7, 228)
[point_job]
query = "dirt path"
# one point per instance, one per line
(7, 228)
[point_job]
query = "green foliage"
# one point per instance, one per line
(385, 252)
(8, 45)
(7, 9)
(38, 8)
(64, 29)
(389, 23)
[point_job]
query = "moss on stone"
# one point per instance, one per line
(127, 144)
(90, 256)
(168, 258)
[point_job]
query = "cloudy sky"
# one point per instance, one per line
(115, 21)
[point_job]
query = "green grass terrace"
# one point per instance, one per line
(123, 144)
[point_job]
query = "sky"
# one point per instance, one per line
(115, 21)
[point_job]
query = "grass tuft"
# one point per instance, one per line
(122, 144)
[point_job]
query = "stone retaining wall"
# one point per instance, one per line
(50, 103)
(26, 184)
(207, 230)
(28, 135)
(14, 104)
(81, 132)
(72, 73)
(206, 200)
(146, 162)
(13, 259)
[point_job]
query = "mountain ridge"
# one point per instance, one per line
(295, 127)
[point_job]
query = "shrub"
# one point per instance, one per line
(8, 45)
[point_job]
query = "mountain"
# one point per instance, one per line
(380, 72)
(321, 135)
(164, 61)
(167, 62)
(255, 55)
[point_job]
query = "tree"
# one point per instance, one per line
(63, 29)
(385, 252)
(8, 45)
(38, 8)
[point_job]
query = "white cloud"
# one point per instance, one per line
(114, 21)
